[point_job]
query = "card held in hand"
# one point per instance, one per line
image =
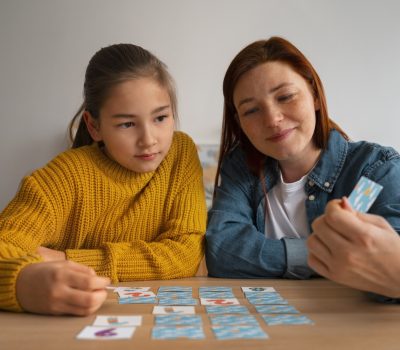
(364, 194)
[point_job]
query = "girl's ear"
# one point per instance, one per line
(92, 126)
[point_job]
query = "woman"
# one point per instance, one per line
(281, 160)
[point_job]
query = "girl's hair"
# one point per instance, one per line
(108, 67)
(275, 49)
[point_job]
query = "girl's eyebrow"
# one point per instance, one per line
(127, 115)
(275, 88)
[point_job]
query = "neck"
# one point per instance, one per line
(294, 170)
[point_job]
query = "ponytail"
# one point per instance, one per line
(82, 136)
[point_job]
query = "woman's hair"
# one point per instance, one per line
(275, 49)
(108, 67)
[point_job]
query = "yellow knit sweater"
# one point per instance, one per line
(125, 225)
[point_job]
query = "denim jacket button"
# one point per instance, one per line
(311, 183)
(311, 197)
(327, 184)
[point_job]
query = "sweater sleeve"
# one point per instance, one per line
(235, 246)
(23, 227)
(177, 250)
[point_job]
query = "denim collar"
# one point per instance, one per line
(327, 169)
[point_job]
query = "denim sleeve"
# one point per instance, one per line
(235, 247)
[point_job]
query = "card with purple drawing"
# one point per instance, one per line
(106, 333)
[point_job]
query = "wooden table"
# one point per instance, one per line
(344, 319)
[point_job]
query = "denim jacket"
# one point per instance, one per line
(236, 243)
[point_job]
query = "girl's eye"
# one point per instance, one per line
(161, 118)
(285, 98)
(126, 125)
(251, 111)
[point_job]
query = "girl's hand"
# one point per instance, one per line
(60, 287)
(51, 254)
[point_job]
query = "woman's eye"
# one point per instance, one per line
(161, 118)
(251, 111)
(285, 98)
(126, 125)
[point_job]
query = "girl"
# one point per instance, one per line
(127, 202)
(281, 160)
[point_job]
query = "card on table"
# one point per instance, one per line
(117, 321)
(230, 309)
(174, 289)
(258, 289)
(128, 289)
(215, 289)
(276, 309)
(231, 320)
(273, 320)
(216, 295)
(364, 194)
(140, 300)
(165, 310)
(185, 332)
(135, 294)
(239, 332)
(177, 301)
(266, 300)
(174, 295)
(106, 333)
(221, 302)
(178, 320)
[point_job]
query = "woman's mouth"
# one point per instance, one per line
(281, 135)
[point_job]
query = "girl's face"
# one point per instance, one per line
(276, 111)
(136, 124)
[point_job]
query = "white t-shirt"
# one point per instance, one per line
(285, 210)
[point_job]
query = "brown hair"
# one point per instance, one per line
(112, 65)
(253, 55)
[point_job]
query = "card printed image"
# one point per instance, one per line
(135, 294)
(117, 321)
(178, 320)
(274, 320)
(258, 289)
(276, 309)
(230, 309)
(180, 310)
(185, 332)
(221, 302)
(231, 320)
(106, 333)
(364, 194)
(129, 289)
(239, 332)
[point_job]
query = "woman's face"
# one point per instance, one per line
(276, 111)
(136, 124)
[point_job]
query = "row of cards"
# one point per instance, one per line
(228, 319)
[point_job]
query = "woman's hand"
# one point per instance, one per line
(60, 287)
(355, 249)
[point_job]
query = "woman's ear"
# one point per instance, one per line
(93, 126)
(317, 105)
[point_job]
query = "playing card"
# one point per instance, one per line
(239, 332)
(185, 332)
(231, 320)
(174, 289)
(178, 320)
(258, 289)
(129, 289)
(140, 300)
(215, 289)
(106, 333)
(135, 294)
(264, 300)
(182, 295)
(364, 194)
(273, 320)
(164, 310)
(276, 309)
(222, 302)
(216, 295)
(177, 301)
(117, 321)
(231, 309)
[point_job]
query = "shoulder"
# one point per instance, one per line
(182, 148)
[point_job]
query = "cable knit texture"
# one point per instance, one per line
(125, 225)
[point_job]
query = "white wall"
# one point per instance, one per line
(45, 46)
